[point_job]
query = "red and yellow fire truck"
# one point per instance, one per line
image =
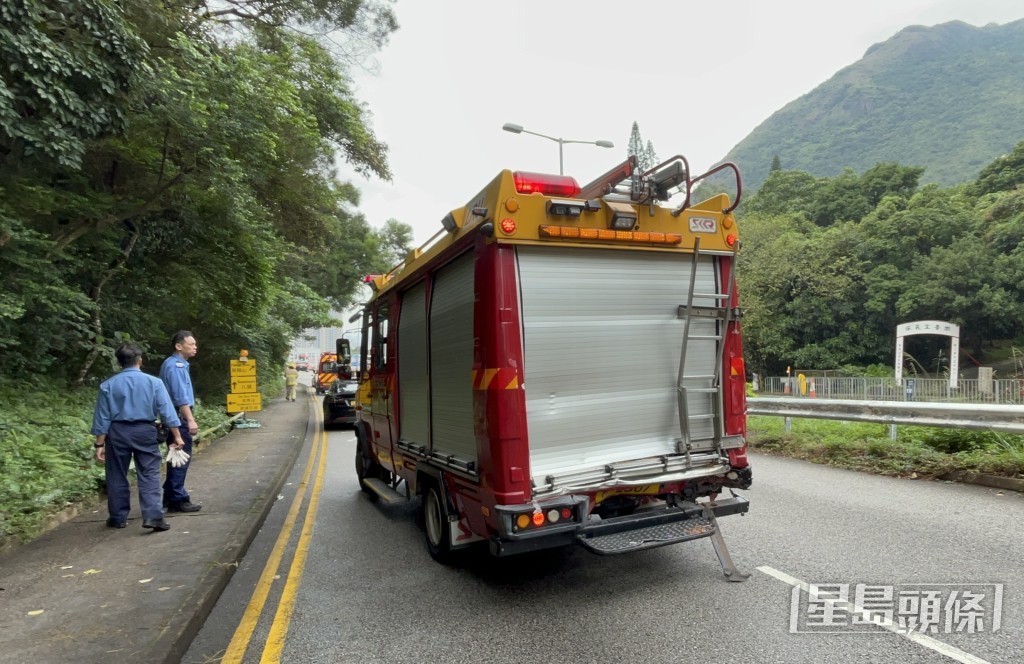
(326, 372)
(562, 364)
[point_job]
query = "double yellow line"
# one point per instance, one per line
(286, 607)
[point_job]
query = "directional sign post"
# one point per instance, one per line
(238, 403)
(244, 396)
(243, 385)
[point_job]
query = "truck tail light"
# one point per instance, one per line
(542, 518)
(548, 185)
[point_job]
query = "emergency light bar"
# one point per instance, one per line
(601, 234)
(547, 185)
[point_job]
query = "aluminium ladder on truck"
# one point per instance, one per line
(708, 386)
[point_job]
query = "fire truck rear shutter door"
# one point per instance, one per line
(412, 367)
(602, 342)
(451, 359)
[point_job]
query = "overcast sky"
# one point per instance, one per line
(697, 76)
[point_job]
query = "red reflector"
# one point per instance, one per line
(738, 458)
(566, 513)
(548, 185)
(738, 368)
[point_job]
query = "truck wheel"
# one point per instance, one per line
(366, 467)
(435, 524)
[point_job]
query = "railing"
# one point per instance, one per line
(996, 417)
(1010, 391)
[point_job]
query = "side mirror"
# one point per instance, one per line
(344, 351)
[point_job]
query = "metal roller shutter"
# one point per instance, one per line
(414, 423)
(602, 344)
(451, 359)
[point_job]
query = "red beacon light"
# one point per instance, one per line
(547, 185)
(371, 281)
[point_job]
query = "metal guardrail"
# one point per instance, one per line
(972, 390)
(1006, 418)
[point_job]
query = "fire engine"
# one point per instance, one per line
(327, 372)
(562, 365)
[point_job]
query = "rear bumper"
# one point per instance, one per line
(339, 416)
(653, 528)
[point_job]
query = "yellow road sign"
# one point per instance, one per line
(243, 385)
(243, 369)
(243, 402)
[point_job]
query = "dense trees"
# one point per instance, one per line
(830, 265)
(174, 166)
(646, 156)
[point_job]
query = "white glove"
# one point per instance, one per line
(177, 457)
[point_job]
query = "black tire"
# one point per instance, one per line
(365, 470)
(366, 467)
(435, 524)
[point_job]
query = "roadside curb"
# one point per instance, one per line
(994, 481)
(176, 638)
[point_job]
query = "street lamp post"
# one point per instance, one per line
(518, 129)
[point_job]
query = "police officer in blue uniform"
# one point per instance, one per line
(174, 374)
(123, 423)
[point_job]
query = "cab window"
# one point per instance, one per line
(380, 337)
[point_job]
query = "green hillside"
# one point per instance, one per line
(949, 98)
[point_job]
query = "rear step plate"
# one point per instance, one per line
(386, 493)
(649, 536)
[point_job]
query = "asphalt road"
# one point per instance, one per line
(369, 592)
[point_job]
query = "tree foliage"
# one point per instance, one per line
(646, 156)
(174, 166)
(830, 266)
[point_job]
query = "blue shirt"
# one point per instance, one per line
(174, 374)
(132, 395)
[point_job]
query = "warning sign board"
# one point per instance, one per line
(241, 369)
(238, 403)
(243, 385)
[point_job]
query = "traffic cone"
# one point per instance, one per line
(812, 393)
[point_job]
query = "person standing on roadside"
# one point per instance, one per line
(123, 422)
(174, 374)
(291, 381)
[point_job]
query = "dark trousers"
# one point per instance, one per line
(124, 441)
(174, 483)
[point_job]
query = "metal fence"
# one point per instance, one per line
(1009, 391)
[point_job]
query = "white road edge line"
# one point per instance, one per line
(952, 652)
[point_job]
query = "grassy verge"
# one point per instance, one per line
(46, 454)
(916, 452)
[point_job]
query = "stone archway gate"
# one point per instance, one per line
(939, 327)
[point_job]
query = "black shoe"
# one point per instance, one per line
(114, 523)
(156, 524)
(184, 507)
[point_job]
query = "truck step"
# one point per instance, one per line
(386, 493)
(649, 537)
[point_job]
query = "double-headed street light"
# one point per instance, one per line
(518, 129)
